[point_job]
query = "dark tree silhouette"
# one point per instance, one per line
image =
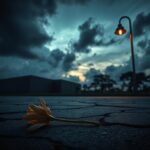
(93, 85)
(85, 87)
(141, 79)
(102, 82)
(126, 78)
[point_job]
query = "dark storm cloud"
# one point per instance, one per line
(88, 34)
(116, 71)
(104, 43)
(51, 64)
(141, 24)
(68, 60)
(55, 57)
(142, 44)
(145, 46)
(21, 28)
(91, 35)
(13, 66)
(82, 2)
(58, 58)
(145, 64)
(144, 61)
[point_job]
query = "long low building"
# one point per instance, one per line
(37, 85)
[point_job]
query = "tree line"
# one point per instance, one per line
(104, 83)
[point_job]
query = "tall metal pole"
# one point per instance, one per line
(132, 52)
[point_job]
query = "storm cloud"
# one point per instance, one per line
(141, 24)
(58, 58)
(145, 49)
(68, 61)
(21, 26)
(116, 71)
(87, 37)
(55, 57)
(82, 2)
(91, 35)
(50, 38)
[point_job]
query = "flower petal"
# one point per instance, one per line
(29, 109)
(42, 101)
(43, 104)
(38, 109)
(36, 127)
(36, 117)
(38, 113)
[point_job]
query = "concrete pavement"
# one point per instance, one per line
(125, 124)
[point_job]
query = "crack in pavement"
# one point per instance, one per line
(103, 122)
(122, 106)
(73, 108)
(13, 112)
(90, 116)
(84, 107)
(91, 105)
(118, 106)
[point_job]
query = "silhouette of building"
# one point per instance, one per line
(37, 85)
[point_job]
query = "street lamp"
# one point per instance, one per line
(120, 30)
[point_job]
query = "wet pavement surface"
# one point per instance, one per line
(125, 124)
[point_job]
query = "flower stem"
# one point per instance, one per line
(75, 121)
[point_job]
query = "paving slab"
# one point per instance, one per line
(142, 118)
(125, 124)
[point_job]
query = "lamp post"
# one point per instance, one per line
(120, 30)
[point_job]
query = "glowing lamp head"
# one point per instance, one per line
(120, 30)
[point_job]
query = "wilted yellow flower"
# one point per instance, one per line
(40, 115)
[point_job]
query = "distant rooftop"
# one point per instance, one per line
(24, 76)
(37, 77)
(37, 85)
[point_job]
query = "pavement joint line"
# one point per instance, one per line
(12, 112)
(120, 106)
(123, 106)
(104, 115)
(2, 119)
(1, 114)
(126, 125)
(106, 123)
(73, 108)
(91, 116)
(93, 105)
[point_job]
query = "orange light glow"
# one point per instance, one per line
(120, 32)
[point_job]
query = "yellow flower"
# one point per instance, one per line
(38, 114)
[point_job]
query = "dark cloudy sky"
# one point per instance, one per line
(71, 39)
